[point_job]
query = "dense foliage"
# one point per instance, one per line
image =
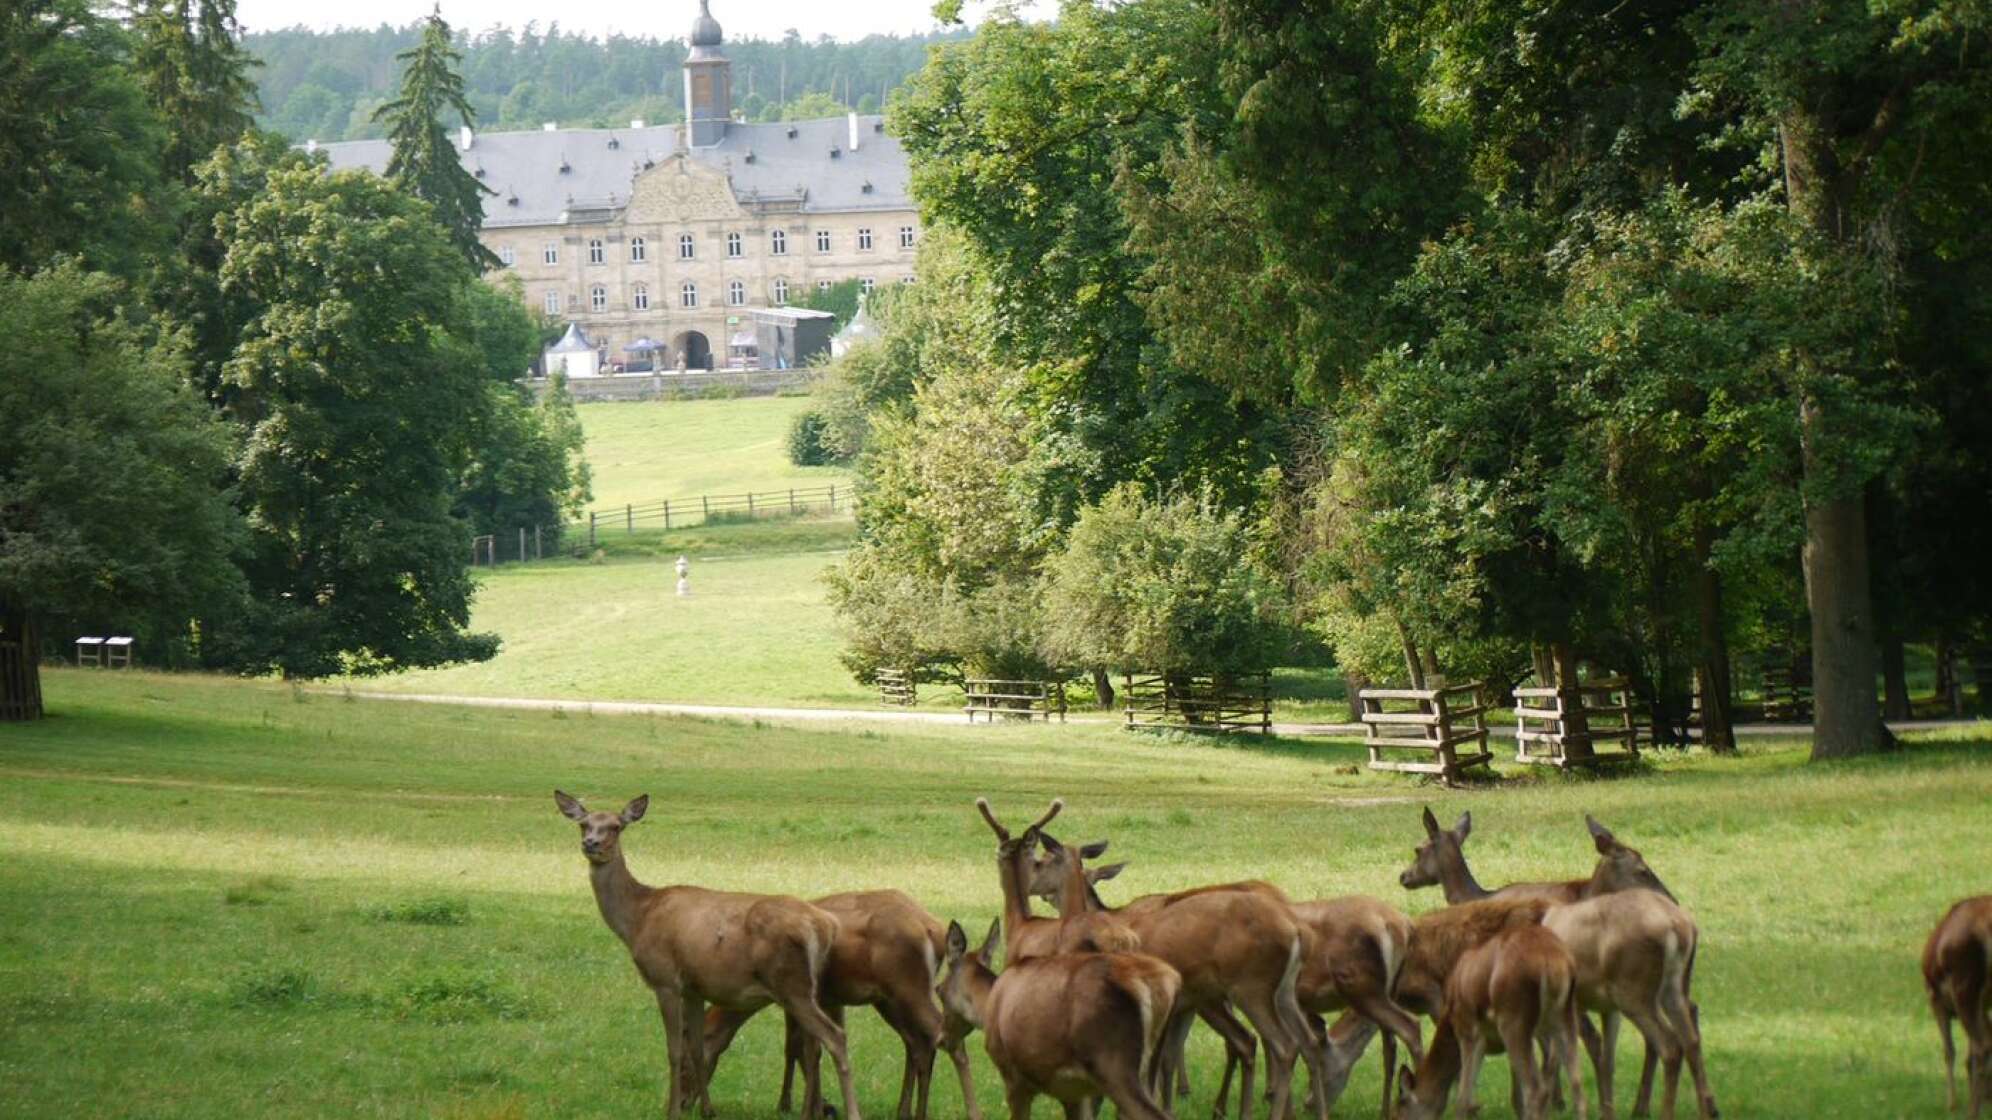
(328, 85)
(1603, 346)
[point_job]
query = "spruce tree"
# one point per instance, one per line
(196, 75)
(424, 162)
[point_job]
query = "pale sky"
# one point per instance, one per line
(764, 19)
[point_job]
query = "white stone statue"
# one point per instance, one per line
(684, 578)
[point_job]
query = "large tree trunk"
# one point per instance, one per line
(1103, 689)
(1576, 725)
(1712, 674)
(1846, 716)
(20, 667)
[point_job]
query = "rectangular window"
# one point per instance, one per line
(781, 292)
(822, 240)
(551, 254)
(595, 255)
(867, 284)
(905, 237)
(551, 303)
(778, 243)
(598, 299)
(864, 240)
(506, 255)
(685, 247)
(823, 285)
(736, 294)
(735, 247)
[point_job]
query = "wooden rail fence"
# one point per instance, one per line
(1199, 702)
(681, 513)
(1025, 700)
(1547, 732)
(896, 687)
(1429, 724)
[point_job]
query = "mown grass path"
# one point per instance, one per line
(221, 898)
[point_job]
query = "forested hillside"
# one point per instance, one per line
(326, 85)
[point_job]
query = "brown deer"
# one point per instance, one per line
(1071, 1026)
(1234, 947)
(887, 957)
(1635, 954)
(1957, 972)
(1358, 944)
(695, 946)
(1439, 939)
(1026, 935)
(1520, 987)
(1441, 861)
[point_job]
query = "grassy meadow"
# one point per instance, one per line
(646, 451)
(230, 898)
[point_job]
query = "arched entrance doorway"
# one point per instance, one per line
(693, 348)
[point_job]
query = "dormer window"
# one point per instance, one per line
(565, 167)
(835, 151)
(614, 143)
(867, 188)
(791, 132)
(479, 172)
(749, 157)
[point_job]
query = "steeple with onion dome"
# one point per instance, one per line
(708, 83)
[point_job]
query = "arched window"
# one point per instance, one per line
(639, 297)
(595, 254)
(735, 247)
(778, 243)
(551, 302)
(686, 247)
(598, 298)
(736, 293)
(688, 296)
(781, 293)
(636, 249)
(822, 240)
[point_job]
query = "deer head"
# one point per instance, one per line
(1620, 868)
(965, 981)
(1013, 853)
(601, 833)
(1441, 847)
(1047, 876)
(1412, 1106)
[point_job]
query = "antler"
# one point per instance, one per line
(1002, 833)
(1057, 803)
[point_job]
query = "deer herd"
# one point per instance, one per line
(1096, 1001)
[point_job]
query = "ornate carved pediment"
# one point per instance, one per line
(679, 190)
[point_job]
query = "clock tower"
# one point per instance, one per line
(708, 84)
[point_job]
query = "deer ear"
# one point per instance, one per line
(988, 950)
(633, 812)
(1051, 846)
(957, 941)
(1102, 874)
(1431, 822)
(1600, 835)
(1094, 850)
(570, 808)
(1465, 825)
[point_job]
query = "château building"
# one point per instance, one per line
(676, 234)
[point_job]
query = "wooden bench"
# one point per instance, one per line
(895, 687)
(1431, 724)
(1199, 702)
(1025, 700)
(1543, 719)
(90, 651)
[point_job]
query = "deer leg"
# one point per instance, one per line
(1573, 1068)
(1684, 1018)
(1311, 1041)
(676, 1049)
(1651, 1024)
(1240, 1048)
(1966, 988)
(1943, 1015)
(694, 1019)
(1472, 1051)
(1263, 1013)
(1170, 1058)
(1019, 1095)
(830, 1036)
(958, 1052)
(1642, 1105)
(1607, 1061)
(791, 1060)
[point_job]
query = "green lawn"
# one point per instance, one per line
(644, 452)
(226, 898)
(756, 629)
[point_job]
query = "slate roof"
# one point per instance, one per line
(764, 161)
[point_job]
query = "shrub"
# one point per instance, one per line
(806, 447)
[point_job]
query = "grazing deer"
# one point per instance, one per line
(1635, 954)
(887, 956)
(1234, 947)
(1358, 944)
(695, 946)
(1441, 861)
(1957, 971)
(1439, 939)
(1520, 987)
(1071, 1026)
